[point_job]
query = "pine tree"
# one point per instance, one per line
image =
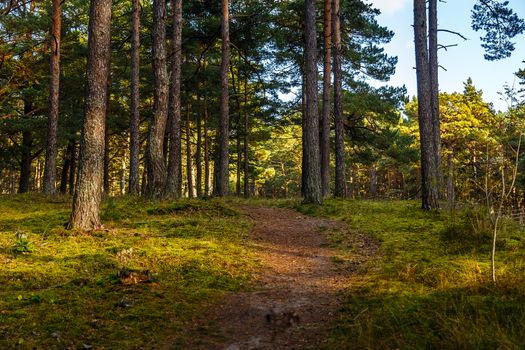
(88, 190)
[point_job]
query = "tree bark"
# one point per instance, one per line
(198, 154)
(325, 118)
(206, 150)
(174, 183)
(340, 154)
(106, 157)
(312, 180)
(434, 88)
(65, 170)
(72, 168)
(224, 124)
(157, 176)
(246, 144)
(134, 134)
(88, 189)
(68, 158)
(189, 165)
(236, 85)
(429, 181)
(50, 169)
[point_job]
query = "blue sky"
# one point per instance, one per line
(465, 60)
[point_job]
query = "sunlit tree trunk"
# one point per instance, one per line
(340, 154)
(429, 180)
(325, 117)
(88, 189)
(222, 180)
(312, 179)
(434, 88)
(206, 150)
(50, 169)
(157, 174)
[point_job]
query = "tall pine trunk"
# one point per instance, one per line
(134, 144)
(325, 117)
(429, 181)
(174, 182)
(50, 169)
(222, 180)
(434, 88)
(157, 175)
(246, 145)
(340, 154)
(198, 154)
(189, 166)
(88, 189)
(206, 149)
(312, 180)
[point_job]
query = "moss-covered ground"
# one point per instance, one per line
(429, 286)
(61, 289)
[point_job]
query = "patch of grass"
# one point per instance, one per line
(429, 286)
(67, 293)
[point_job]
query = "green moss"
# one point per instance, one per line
(66, 292)
(429, 285)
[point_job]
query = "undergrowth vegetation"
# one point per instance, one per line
(65, 289)
(429, 286)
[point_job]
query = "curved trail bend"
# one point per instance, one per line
(298, 287)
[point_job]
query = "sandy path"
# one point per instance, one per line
(298, 288)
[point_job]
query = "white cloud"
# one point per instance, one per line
(389, 7)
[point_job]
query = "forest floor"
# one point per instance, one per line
(234, 274)
(297, 292)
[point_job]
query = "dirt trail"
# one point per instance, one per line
(298, 287)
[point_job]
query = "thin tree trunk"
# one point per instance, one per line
(189, 166)
(68, 158)
(206, 150)
(65, 170)
(340, 156)
(325, 117)
(198, 156)
(72, 168)
(223, 154)
(450, 183)
(134, 144)
(157, 176)
(106, 157)
(174, 183)
(246, 144)
(88, 189)
(54, 88)
(25, 162)
(236, 88)
(429, 181)
(312, 191)
(26, 159)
